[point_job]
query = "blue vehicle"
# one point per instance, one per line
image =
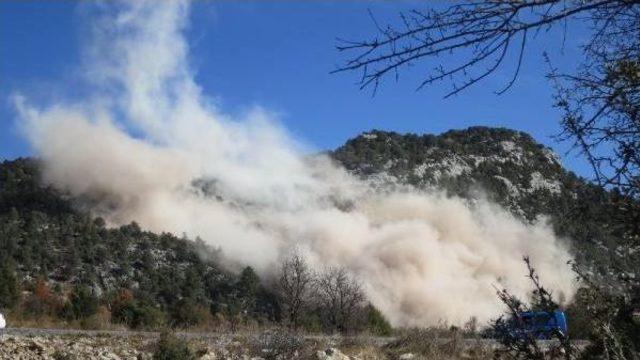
(540, 325)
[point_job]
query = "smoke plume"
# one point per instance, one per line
(244, 185)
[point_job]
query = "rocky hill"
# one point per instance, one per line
(57, 260)
(506, 166)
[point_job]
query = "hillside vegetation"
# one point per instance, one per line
(69, 264)
(61, 265)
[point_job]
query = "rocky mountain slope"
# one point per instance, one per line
(59, 259)
(506, 166)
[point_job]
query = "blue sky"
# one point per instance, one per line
(278, 55)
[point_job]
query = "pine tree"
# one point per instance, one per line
(9, 287)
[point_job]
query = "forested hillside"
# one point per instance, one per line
(61, 267)
(58, 262)
(68, 264)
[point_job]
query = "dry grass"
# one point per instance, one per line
(437, 343)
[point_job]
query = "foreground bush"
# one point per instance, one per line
(171, 347)
(375, 322)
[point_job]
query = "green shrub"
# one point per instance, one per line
(375, 322)
(82, 303)
(135, 313)
(171, 347)
(187, 312)
(139, 315)
(9, 288)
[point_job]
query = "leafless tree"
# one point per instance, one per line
(295, 285)
(601, 113)
(340, 296)
(481, 31)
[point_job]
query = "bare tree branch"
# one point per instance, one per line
(600, 102)
(465, 28)
(295, 285)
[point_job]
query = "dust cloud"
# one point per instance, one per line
(243, 184)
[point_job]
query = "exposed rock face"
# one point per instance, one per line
(509, 166)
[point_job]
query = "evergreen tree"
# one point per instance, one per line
(9, 289)
(248, 283)
(83, 303)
